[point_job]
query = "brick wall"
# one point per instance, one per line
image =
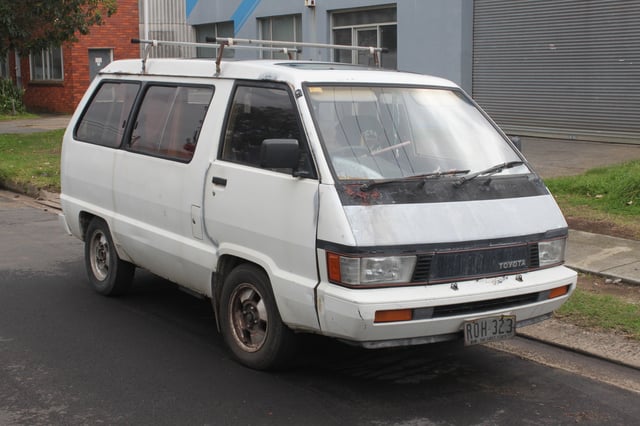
(115, 34)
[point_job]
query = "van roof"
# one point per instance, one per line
(291, 71)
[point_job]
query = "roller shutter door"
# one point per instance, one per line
(559, 68)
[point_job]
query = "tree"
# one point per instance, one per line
(32, 25)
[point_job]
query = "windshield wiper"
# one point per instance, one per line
(373, 183)
(488, 172)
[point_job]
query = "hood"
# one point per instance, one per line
(389, 224)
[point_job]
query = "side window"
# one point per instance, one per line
(259, 113)
(169, 121)
(104, 120)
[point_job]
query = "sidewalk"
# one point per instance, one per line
(612, 257)
(33, 125)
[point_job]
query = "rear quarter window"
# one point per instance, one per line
(104, 120)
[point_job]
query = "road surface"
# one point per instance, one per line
(70, 356)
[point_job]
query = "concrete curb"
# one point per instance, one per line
(609, 346)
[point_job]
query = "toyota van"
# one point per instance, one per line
(380, 208)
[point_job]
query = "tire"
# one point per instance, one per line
(250, 321)
(107, 273)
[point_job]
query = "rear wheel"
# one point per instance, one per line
(251, 324)
(108, 274)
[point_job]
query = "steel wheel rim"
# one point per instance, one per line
(99, 256)
(248, 317)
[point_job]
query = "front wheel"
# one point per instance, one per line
(108, 274)
(250, 321)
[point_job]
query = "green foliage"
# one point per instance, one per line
(614, 189)
(10, 98)
(31, 161)
(33, 25)
(602, 311)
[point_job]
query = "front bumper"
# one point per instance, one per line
(348, 314)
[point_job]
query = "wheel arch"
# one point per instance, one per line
(85, 219)
(226, 264)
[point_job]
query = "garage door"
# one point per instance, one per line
(559, 68)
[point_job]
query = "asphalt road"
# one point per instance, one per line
(69, 356)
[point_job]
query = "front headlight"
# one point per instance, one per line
(355, 271)
(551, 252)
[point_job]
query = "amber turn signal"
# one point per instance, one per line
(394, 315)
(333, 266)
(559, 291)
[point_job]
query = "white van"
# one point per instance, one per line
(381, 208)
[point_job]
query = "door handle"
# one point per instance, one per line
(219, 181)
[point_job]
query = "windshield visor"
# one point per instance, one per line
(396, 132)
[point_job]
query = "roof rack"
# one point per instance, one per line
(238, 42)
(154, 43)
(220, 43)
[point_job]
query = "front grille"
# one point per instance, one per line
(485, 305)
(442, 266)
(423, 267)
(534, 259)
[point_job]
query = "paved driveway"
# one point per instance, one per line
(559, 157)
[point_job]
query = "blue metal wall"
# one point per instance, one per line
(434, 36)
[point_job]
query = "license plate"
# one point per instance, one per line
(489, 329)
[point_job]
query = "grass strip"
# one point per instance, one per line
(614, 189)
(605, 312)
(31, 160)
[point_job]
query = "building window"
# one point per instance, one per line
(281, 28)
(218, 29)
(47, 65)
(366, 27)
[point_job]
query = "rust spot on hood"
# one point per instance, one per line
(355, 192)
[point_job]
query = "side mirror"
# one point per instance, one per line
(279, 154)
(517, 142)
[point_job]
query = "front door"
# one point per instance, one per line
(266, 216)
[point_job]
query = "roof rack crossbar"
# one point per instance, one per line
(155, 43)
(234, 41)
(373, 51)
(221, 46)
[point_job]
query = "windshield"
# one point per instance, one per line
(395, 132)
